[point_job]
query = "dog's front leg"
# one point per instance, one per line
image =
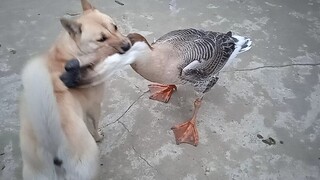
(94, 114)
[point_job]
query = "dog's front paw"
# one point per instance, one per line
(99, 135)
(72, 76)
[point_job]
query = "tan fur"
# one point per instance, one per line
(78, 108)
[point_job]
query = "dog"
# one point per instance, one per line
(59, 126)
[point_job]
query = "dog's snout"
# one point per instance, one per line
(126, 47)
(72, 65)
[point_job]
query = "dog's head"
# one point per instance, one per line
(95, 34)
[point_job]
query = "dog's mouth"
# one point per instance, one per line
(124, 48)
(120, 51)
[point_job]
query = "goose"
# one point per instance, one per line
(185, 56)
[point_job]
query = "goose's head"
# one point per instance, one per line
(135, 37)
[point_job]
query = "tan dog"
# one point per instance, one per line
(55, 140)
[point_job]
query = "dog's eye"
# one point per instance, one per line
(103, 38)
(115, 27)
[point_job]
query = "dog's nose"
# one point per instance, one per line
(72, 65)
(126, 47)
(72, 75)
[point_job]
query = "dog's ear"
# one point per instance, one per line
(73, 27)
(86, 5)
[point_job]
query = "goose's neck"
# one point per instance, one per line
(143, 60)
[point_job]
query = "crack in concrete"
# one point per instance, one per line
(124, 126)
(140, 156)
(146, 161)
(274, 67)
(118, 119)
(137, 87)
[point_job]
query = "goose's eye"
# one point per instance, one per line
(103, 38)
(116, 27)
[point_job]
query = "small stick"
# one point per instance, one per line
(118, 2)
(73, 14)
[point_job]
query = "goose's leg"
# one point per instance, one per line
(161, 92)
(187, 132)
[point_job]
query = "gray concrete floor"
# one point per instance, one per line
(263, 92)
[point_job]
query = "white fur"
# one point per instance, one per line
(40, 111)
(117, 61)
(41, 105)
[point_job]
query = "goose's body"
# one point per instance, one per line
(190, 56)
(182, 56)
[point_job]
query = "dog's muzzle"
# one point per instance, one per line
(126, 47)
(72, 76)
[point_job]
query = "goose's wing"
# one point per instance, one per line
(206, 55)
(182, 35)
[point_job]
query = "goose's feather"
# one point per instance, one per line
(204, 53)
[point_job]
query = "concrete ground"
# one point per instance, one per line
(271, 91)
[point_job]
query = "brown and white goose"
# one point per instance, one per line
(184, 56)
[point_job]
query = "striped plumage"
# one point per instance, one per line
(203, 53)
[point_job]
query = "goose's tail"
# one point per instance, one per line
(242, 44)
